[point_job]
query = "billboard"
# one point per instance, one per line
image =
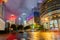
(30, 16)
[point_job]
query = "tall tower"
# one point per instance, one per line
(1, 10)
(2, 3)
(2, 22)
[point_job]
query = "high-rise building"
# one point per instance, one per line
(50, 14)
(1, 10)
(2, 22)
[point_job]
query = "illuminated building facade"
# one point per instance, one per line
(2, 22)
(50, 14)
(1, 10)
(30, 19)
(36, 15)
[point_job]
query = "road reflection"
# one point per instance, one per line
(44, 35)
(37, 36)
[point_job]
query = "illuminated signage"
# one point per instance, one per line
(30, 16)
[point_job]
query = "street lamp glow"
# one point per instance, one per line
(46, 19)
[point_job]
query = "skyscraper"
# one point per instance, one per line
(50, 11)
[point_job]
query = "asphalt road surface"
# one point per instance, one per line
(37, 36)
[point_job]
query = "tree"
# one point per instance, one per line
(20, 27)
(27, 27)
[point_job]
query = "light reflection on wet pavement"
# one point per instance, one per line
(45, 35)
(39, 36)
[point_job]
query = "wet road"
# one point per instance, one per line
(45, 35)
(3, 36)
(38, 36)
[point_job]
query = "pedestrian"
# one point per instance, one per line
(12, 36)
